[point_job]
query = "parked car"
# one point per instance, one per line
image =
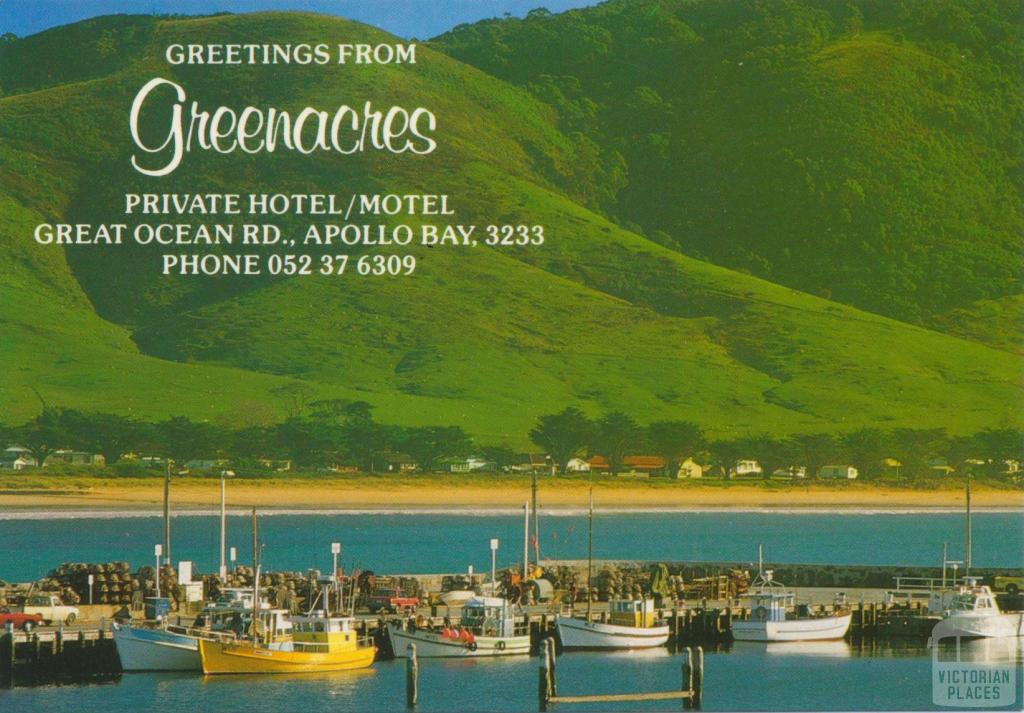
(20, 620)
(50, 609)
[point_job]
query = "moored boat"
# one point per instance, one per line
(631, 624)
(971, 611)
(168, 647)
(488, 626)
(774, 616)
(318, 644)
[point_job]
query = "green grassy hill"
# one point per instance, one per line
(599, 317)
(867, 152)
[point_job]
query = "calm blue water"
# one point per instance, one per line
(447, 543)
(833, 676)
(823, 677)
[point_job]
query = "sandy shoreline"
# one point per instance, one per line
(469, 494)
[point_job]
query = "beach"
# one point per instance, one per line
(469, 492)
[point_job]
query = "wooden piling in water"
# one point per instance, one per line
(697, 692)
(7, 653)
(553, 675)
(412, 673)
(544, 680)
(687, 684)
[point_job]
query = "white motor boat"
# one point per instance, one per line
(631, 625)
(176, 648)
(971, 611)
(488, 626)
(772, 620)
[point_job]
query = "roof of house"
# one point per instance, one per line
(630, 461)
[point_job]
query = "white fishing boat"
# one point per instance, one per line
(774, 616)
(632, 623)
(971, 611)
(488, 626)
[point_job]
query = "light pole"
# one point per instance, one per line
(494, 558)
(92, 580)
(335, 551)
(224, 474)
(157, 551)
(233, 552)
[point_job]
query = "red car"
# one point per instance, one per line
(385, 601)
(25, 622)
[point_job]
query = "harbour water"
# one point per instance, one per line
(871, 675)
(420, 542)
(824, 677)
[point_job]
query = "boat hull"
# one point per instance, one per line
(225, 658)
(579, 634)
(992, 626)
(155, 650)
(432, 645)
(824, 628)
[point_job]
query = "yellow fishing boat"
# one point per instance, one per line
(318, 644)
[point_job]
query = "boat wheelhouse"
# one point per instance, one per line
(488, 626)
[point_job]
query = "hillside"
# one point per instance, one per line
(599, 317)
(867, 152)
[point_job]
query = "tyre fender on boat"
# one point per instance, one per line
(471, 646)
(761, 614)
(500, 646)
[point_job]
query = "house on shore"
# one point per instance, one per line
(690, 468)
(17, 458)
(531, 463)
(746, 469)
(632, 466)
(577, 465)
(837, 472)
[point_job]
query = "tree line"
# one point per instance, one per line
(332, 432)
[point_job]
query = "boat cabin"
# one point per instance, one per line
(769, 606)
(969, 596)
(236, 598)
(315, 631)
(631, 612)
(490, 616)
(768, 599)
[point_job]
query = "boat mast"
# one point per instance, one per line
(967, 534)
(167, 513)
(590, 550)
(760, 560)
(526, 548)
(255, 581)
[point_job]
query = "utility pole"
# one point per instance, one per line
(533, 504)
(967, 527)
(223, 526)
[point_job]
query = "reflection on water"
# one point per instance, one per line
(981, 651)
(824, 676)
(836, 649)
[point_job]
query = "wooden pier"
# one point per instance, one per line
(54, 655)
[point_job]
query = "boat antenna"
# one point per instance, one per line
(590, 551)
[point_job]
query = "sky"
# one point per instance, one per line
(406, 18)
